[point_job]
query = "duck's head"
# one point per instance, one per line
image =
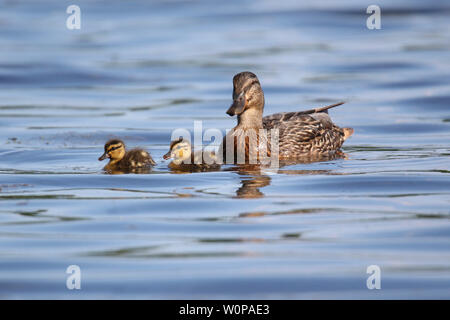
(247, 94)
(114, 150)
(180, 150)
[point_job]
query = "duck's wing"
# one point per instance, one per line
(286, 116)
(294, 127)
(303, 134)
(319, 114)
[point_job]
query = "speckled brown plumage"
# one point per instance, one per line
(301, 135)
(137, 158)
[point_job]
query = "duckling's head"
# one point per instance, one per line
(114, 150)
(247, 94)
(180, 150)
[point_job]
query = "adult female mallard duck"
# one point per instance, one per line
(300, 134)
(185, 159)
(121, 160)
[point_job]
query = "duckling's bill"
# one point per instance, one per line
(104, 156)
(168, 155)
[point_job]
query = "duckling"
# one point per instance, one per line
(184, 159)
(122, 160)
(301, 134)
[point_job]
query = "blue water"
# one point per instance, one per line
(139, 69)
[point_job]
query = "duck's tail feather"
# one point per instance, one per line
(322, 109)
(347, 132)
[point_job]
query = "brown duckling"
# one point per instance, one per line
(185, 159)
(122, 160)
(301, 134)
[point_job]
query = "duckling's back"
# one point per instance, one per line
(137, 158)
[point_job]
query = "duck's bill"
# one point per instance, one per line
(103, 157)
(167, 156)
(237, 107)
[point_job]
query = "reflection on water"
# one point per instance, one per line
(306, 230)
(143, 170)
(253, 178)
(251, 186)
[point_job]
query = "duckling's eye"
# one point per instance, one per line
(114, 148)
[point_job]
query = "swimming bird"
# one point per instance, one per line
(300, 134)
(122, 160)
(185, 159)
